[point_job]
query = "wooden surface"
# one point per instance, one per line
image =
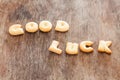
(27, 57)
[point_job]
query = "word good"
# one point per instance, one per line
(44, 26)
(84, 46)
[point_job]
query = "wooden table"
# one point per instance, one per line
(27, 57)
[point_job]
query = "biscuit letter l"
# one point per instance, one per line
(53, 47)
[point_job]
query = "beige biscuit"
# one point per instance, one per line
(53, 47)
(16, 29)
(31, 27)
(103, 46)
(85, 46)
(62, 26)
(45, 26)
(71, 48)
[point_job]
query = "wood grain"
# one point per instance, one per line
(27, 57)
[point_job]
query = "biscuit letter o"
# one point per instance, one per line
(45, 26)
(31, 27)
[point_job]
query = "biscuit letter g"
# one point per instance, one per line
(16, 29)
